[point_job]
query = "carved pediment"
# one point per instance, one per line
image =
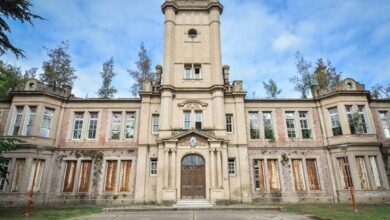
(192, 105)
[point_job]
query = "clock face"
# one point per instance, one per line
(193, 141)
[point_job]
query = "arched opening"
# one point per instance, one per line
(193, 182)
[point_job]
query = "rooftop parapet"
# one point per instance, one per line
(33, 86)
(347, 85)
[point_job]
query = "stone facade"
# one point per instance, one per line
(192, 134)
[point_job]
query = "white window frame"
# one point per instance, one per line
(197, 67)
(199, 118)
(229, 122)
(116, 123)
(232, 168)
(47, 120)
(16, 121)
(186, 120)
(155, 123)
(28, 127)
(385, 123)
(187, 71)
(92, 121)
(78, 122)
(334, 119)
(153, 167)
(254, 120)
(290, 130)
(130, 125)
(270, 127)
(305, 119)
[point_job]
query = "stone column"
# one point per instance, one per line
(166, 168)
(169, 37)
(219, 113)
(212, 165)
(215, 45)
(165, 112)
(219, 169)
(173, 169)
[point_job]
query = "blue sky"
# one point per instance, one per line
(259, 39)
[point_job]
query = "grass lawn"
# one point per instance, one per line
(340, 211)
(47, 213)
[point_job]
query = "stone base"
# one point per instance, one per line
(217, 194)
(169, 195)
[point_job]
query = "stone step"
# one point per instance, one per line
(193, 204)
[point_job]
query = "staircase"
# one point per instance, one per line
(189, 204)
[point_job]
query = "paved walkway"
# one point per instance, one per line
(198, 215)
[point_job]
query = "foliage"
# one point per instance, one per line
(378, 91)
(107, 90)
(10, 77)
(340, 211)
(6, 144)
(271, 89)
(15, 10)
(58, 71)
(30, 73)
(143, 71)
(48, 213)
(324, 75)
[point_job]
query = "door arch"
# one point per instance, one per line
(193, 181)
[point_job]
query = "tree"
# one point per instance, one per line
(304, 80)
(324, 75)
(15, 10)
(58, 71)
(271, 89)
(6, 144)
(107, 90)
(10, 77)
(30, 73)
(387, 91)
(143, 71)
(377, 91)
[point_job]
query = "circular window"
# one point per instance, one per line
(192, 33)
(349, 85)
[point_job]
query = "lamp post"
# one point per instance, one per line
(344, 148)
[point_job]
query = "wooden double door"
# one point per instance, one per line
(193, 182)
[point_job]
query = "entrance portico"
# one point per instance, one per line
(194, 166)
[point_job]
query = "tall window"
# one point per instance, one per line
(18, 174)
(375, 171)
(130, 125)
(110, 180)
(78, 125)
(17, 120)
(267, 120)
(85, 175)
(305, 125)
(36, 175)
(92, 125)
(345, 173)
(46, 122)
(153, 167)
(229, 123)
(273, 175)
(232, 166)
(362, 170)
(311, 166)
(116, 125)
(125, 175)
(348, 109)
(335, 121)
(32, 111)
(290, 122)
(197, 73)
(155, 124)
(70, 172)
(187, 71)
(384, 116)
(258, 168)
(254, 125)
(363, 121)
(187, 120)
(4, 164)
(297, 168)
(198, 120)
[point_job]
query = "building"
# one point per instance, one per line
(192, 134)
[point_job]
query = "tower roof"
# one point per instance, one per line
(192, 4)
